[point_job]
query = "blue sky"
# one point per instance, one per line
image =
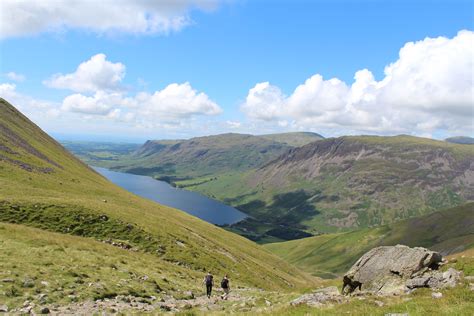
(226, 50)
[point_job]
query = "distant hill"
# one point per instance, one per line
(466, 140)
(178, 160)
(344, 183)
(295, 139)
(448, 231)
(64, 224)
(97, 153)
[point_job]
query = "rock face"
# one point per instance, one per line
(397, 269)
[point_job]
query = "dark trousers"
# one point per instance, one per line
(208, 289)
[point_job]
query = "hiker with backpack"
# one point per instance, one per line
(209, 281)
(225, 287)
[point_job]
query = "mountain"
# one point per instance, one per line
(466, 140)
(294, 139)
(65, 227)
(328, 185)
(208, 157)
(345, 183)
(447, 231)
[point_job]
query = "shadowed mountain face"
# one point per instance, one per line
(44, 186)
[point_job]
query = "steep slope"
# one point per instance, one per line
(44, 186)
(460, 140)
(348, 182)
(448, 231)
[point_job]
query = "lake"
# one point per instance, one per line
(196, 204)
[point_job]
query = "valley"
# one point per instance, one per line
(325, 186)
(214, 158)
(74, 241)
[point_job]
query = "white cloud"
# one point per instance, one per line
(176, 101)
(95, 74)
(99, 82)
(429, 88)
(233, 124)
(29, 17)
(101, 103)
(173, 103)
(264, 102)
(15, 76)
(31, 107)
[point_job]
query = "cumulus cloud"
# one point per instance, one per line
(101, 103)
(176, 101)
(15, 76)
(233, 124)
(28, 17)
(95, 74)
(430, 87)
(99, 83)
(27, 104)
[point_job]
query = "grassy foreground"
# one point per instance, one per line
(57, 269)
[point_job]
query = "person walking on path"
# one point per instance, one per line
(225, 287)
(209, 281)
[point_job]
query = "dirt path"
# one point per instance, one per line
(120, 304)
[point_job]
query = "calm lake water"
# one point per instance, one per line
(196, 204)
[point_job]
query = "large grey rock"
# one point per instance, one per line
(390, 269)
(326, 296)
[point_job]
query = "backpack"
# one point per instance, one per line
(225, 283)
(208, 279)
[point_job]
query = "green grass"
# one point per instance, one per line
(62, 194)
(454, 302)
(331, 255)
(69, 268)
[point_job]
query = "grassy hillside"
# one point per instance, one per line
(447, 231)
(341, 184)
(295, 139)
(44, 186)
(466, 140)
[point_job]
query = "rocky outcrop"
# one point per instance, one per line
(398, 269)
(323, 297)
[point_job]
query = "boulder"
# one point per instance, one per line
(326, 296)
(396, 269)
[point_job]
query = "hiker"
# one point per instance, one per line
(209, 281)
(225, 287)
